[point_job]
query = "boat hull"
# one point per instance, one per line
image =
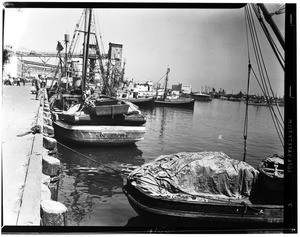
(149, 206)
(98, 134)
(141, 101)
(175, 103)
(201, 97)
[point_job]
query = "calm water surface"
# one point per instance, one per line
(91, 185)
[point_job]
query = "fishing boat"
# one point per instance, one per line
(199, 96)
(173, 101)
(201, 186)
(210, 186)
(84, 113)
(258, 102)
(135, 98)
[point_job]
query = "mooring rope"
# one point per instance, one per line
(78, 153)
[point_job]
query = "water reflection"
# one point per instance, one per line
(91, 176)
(94, 176)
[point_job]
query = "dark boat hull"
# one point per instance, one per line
(148, 206)
(174, 103)
(142, 101)
(98, 134)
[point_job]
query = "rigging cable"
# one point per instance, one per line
(74, 35)
(265, 91)
(281, 63)
(247, 95)
(269, 37)
(99, 30)
(275, 121)
(262, 68)
(264, 86)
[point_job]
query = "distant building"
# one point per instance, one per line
(177, 87)
(185, 89)
(13, 68)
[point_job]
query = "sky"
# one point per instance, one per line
(202, 47)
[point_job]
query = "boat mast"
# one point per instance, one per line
(67, 39)
(274, 27)
(166, 83)
(123, 71)
(87, 30)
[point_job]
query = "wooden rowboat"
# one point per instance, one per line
(158, 207)
(205, 187)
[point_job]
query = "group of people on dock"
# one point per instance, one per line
(38, 83)
(11, 81)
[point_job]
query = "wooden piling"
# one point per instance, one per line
(49, 143)
(48, 130)
(53, 187)
(53, 213)
(48, 121)
(47, 115)
(51, 166)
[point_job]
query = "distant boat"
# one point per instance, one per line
(235, 99)
(199, 96)
(135, 99)
(82, 117)
(210, 186)
(178, 102)
(258, 102)
(173, 101)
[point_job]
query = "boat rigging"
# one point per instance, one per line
(82, 114)
(264, 81)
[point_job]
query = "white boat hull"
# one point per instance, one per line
(98, 134)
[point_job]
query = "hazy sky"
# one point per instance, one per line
(202, 47)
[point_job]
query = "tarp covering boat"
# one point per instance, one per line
(195, 176)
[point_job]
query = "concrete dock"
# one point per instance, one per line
(30, 176)
(19, 115)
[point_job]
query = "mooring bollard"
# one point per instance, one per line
(48, 130)
(51, 167)
(48, 121)
(47, 114)
(53, 213)
(49, 143)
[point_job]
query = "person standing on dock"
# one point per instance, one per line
(38, 86)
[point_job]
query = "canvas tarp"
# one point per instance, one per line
(196, 176)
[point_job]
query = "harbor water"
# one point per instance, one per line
(92, 177)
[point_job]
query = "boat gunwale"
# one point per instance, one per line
(67, 126)
(241, 204)
(213, 216)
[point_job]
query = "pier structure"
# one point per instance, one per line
(30, 171)
(45, 63)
